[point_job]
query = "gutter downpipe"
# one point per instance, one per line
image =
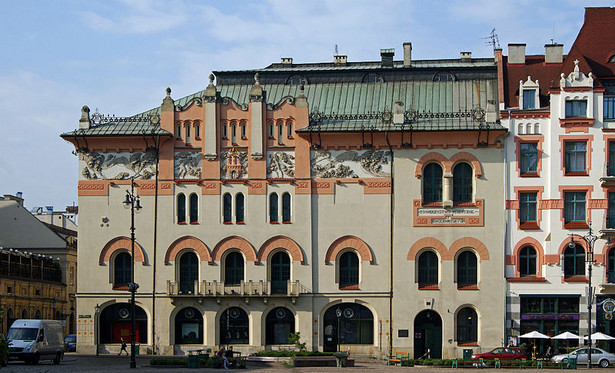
(391, 236)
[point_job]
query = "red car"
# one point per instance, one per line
(502, 353)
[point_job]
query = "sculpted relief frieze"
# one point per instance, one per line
(187, 165)
(351, 163)
(117, 166)
(280, 164)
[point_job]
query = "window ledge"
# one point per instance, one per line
(228, 222)
(529, 174)
(349, 287)
(467, 344)
(181, 223)
(464, 204)
(431, 204)
(467, 287)
(527, 279)
(429, 287)
(274, 222)
(576, 225)
(194, 223)
(529, 226)
(577, 173)
(120, 287)
(240, 223)
(286, 222)
(575, 279)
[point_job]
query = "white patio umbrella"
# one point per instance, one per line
(534, 334)
(567, 336)
(600, 337)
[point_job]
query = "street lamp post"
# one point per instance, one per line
(133, 203)
(590, 238)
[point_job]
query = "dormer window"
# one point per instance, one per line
(443, 76)
(529, 99)
(576, 108)
(372, 78)
(612, 59)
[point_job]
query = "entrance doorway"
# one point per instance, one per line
(428, 334)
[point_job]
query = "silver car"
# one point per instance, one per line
(599, 357)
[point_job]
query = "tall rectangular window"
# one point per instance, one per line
(529, 99)
(609, 107)
(576, 108)
(574, 207)
(610, 166)
(527, 207)
(528, 158)
(610, 217)
(575, 156)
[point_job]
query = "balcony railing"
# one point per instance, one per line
(244, 289)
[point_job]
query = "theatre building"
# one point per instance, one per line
(358, 203)
(560, 111)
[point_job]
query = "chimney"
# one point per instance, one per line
(516, 53)
(386, 56)
(84, 121)
(465, 56)
(287, 60)
(407, 54)
(554, 53)
(18, 198)
(340, 60)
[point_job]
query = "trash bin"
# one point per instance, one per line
(341, 358)
(467, 354)
(193, 361)
(572, 363)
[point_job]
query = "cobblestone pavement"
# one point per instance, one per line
(73, 363)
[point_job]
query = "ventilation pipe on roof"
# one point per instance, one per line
(554, 53)
(386, 56)
(407, 54)
(287, 60)
(516, 53)
(465, 56)
(340, 60)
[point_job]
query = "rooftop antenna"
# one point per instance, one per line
(336, 50)
(493, 40)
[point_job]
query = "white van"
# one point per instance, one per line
(33, 340)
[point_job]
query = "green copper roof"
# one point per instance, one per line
(122, 127)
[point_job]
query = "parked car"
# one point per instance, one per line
(599, 357)
(70, 341)
(34, 340)
(502, 353)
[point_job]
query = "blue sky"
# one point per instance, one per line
(118, 56)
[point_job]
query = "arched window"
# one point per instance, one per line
(188, 272)
(289, 130)
(443, 76)
(239, 208)
(467, 269)
(280, 272)
(349, 269)
(372, 78)
(610, 274)
(234, 327)
(189, 326)
(286, 208)
(280, 131)
(234, 133)
(467, 325)
(178, 131)
(224, 131)
(181, 208)
(227, 209)
(574, 261)
(462, 183)
(347, 324)
(296, 80)
(197, 131)
(233, 269)
(188, 133)
(273, 208)
(428, 269)
(243, 130)
(24, 314)
(10, 317)
(121, 269)
(115, 323)
(279, 324)
(194, 208)
(270, 130)
(432, 183)
(37, 315)
(527, 261)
